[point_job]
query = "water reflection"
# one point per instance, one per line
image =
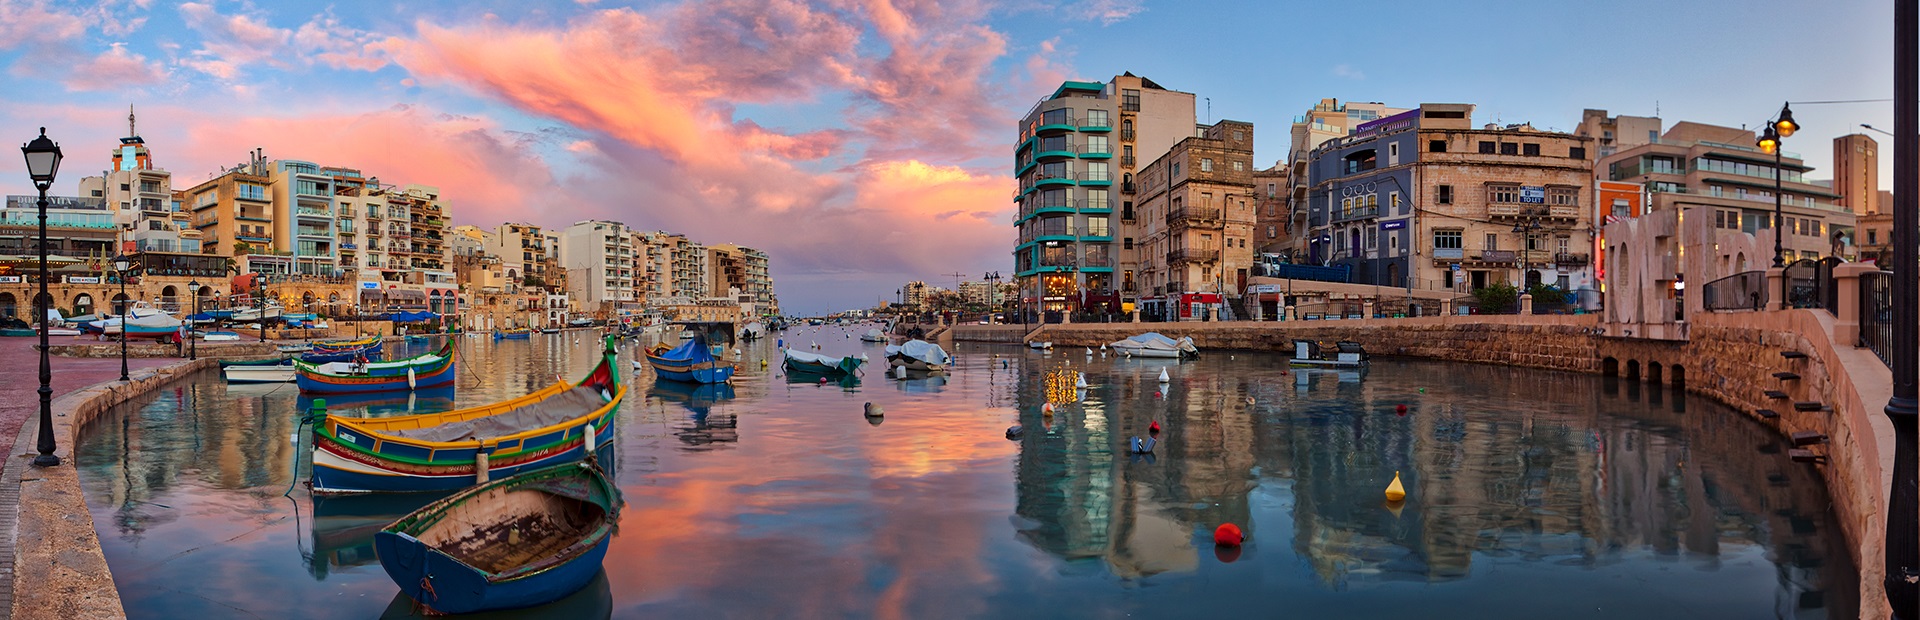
(1529, 493)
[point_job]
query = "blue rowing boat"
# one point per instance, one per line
(692, 362)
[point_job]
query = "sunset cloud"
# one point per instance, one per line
(115, 68)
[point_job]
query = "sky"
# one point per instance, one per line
(861, 143)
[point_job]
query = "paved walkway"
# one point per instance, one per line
(20, 378)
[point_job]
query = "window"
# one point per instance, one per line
(1446, 240)
(1206, 164)
(1531, 150)
(126, 188)
(98, 193)
(1534, 243)
(1578, 152)
(1622, 208)
(1373, 237)
(1273, 232)
(1503, 193)
(1509, 148)
(1437, 146)
(1056, 117)
(1176, 168)
(1097, 171)
(1653, 136)
(1563, 196)
(1097, 118)
(1097, 145)
(1393, 199)
(1097, 226)
(1239, 166)
(1562, 244)
(1239, 136)
(1873, 237)
(1393, 154)
(1126, 243)
(1270, 190)
(1130, 100)
(1486, 148)
(1493, 241)
(1443, 194)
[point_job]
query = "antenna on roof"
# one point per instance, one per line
(130, 131)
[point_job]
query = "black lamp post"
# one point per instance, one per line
(43, 163)
(120, 266)
(193, 349)
(1781, 127)
(1903, 507)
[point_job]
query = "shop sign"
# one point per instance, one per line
(83, 279)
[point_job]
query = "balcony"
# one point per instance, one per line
(1192, 256)
(1096, 178)
(1056, 121)
(1192, 214)
(1087, 204)
(1126, 135)
(1570, 258)
(1126, 188)
(1348, 215)
(1126, 161)
(1096, 151)
(312, 212)
(1498, 257)
(1096, 261)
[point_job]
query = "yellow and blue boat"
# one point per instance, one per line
(448, 451)
(426, 370)
(513, 334)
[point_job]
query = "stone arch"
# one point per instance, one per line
(120, 303)
(83, 304)
(1633, 369)
(169, 294)
(9, 305)
(1610, 366)
(1739, 262)
(1653, 372)
(43, 300)
(1677, 375)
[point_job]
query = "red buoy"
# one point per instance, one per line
(1228, 535)
(1400, 409)
(1154, 427)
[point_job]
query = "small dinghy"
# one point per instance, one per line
(520, 541)
(1040, 345)
(259, 371)
(817, 364)
(420, 371)
(873, 335)
(1152, 344)
(219, 336)
(513, 334)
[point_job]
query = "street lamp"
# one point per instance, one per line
(43, 163)
(120, 266)
(1902, 562)
(1781, 127)
(193, 350)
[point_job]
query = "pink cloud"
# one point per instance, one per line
(32, 21)
(234, 39)
(115, 68)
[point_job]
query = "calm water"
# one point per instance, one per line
(1529, 494)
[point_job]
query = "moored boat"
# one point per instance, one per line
(321, 353)
(817, 364)
(549, 330)
(219, 336)
(918, 355)
(419, 371)
(1346, 354)
(1040, 345)
(443, 451)
(516, 542)
(693, 361)
(294, 348)
(264, 371)
(513, 334)
(1152, 344)
(874, 335)
(346, 344)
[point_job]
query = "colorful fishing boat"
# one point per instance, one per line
(347, 344)
(424, 370)
(517, 542)
(322, 353)
(513, 334)
(443, 451)
(817, 364)
(693, 362)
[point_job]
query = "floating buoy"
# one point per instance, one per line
(1228, 535)
(1163, 376)
(1156, 394)
(1154, 427)
(763, 363)
(1400, 409)
(899, 372)
(874, 411)
(1003, 364)
(1047, 409)
(1395, 492)
(1103, 347)
(823, 381)
(1082, 382)
(1249, 400)
(1142, 446)
(1015, 431)
(1423, 390)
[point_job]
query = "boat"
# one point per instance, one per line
(424, 370)
(1152, 344)
(444, 451)
(219, 336)
(16, 331)
(63, 331)
(520, 541)
(1347, 354)
(1040, 345)
(417, 338)
(817, 364)
(874, 335)
(513, 334)
(753, 331)
(580, 322)
(294, 348)
(550, 330)
(320, 354)
(346, 344)
(263, 371)
(250, 315)
(918, 355)
(344, 526)
(694, 361)
(271, 361)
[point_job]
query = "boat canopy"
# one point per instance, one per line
(693, 350)
(921, 350)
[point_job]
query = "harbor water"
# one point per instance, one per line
(1529, 494)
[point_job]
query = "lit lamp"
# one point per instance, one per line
(43, 163)
(120, 265)
(1781, 127)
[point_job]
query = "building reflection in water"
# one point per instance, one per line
(1501, 465)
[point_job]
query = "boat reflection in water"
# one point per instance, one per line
(922, 382)
(384, 404)
(846, 381)
(705, 427)
(593, 601)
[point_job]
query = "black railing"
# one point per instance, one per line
(1741, 291)
(1810, 284)
(1876, 313)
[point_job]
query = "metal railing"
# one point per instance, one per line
(1192, 213)
(1810, 284)
(1740, 291)
(1876, 314)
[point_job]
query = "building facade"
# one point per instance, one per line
(303, 216)
(1856, 173)
(1193, 236)
(1272, 219)
(1326, 120)
(1612, 134)
(600, 275)
(1422, 199)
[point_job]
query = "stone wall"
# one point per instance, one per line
(153, 349)
(1008, 334)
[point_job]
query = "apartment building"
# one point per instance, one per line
(303, 216)
(743, 269)
(234, 211)
(141, 197)
(1272, 221)
(1326, 120)
(1612, 134)
(689, 268)
(523, 249)
(599, 263)
(1192, 240)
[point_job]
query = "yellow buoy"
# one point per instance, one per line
(1395, 492)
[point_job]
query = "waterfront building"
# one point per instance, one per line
(1272, 219)
(1612, 134)
(600, 276)
(689, 268)
(1196, 217)
(522, 248)
(234, 211)
(1422, 199)
(1856, 173)
(141, 197)
(468, 240)
(1718, 168)
(1325, 121)
(1069, 161)
(914, 294)
(77, 227)
(734, 266)
(303, 216)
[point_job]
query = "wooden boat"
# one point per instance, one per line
(693, 362)
(1309, 354)
(816, 364)
(516, 542)
(918, 355)
(321, 355)
(347, 344)
(513, 334)
(424, 370)
(442, 451)
(261, 371)
(873, 335)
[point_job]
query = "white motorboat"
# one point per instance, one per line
(874, 335)
(918, 355)
(281, 373)
(1152, 344)
(249, 315)
(219, 336)
(1347, 354)
(1040, 345)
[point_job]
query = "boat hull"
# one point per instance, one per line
(1153, 353)
(258, 374)
(340, 470)
(712, 371)
(436, 374)
(512, 335)
(320, 355)
(1312, 363)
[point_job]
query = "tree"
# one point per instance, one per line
(242, 248)
(532, 281)
(1497, 297)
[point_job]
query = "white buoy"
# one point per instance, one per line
(1082, 382)
(411, 383)
(1089, 352)
(899, 372)
(1103, 347)
(592, 439)
(1163, 376)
